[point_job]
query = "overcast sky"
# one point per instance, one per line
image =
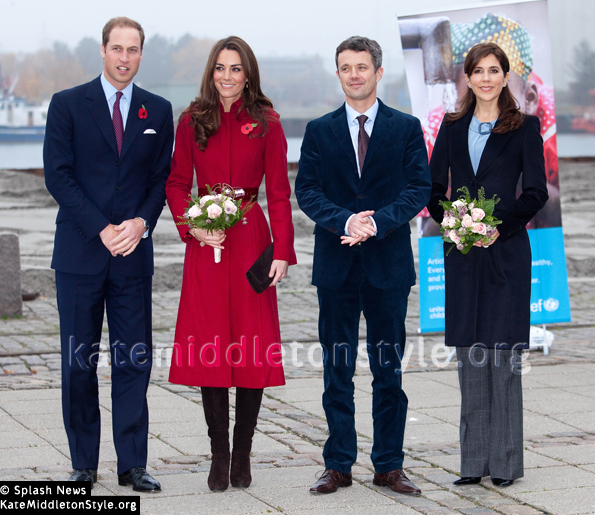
(271, 27)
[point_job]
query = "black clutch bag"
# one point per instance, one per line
(258, 274)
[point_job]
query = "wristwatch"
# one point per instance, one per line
(147, 227)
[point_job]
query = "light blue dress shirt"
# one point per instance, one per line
(479, 132)
(353, 125)
(110, 95)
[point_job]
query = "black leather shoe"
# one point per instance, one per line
(467, 481)
(89, 475)
(140, 480)
(502, 482)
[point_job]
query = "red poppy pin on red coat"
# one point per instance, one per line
(248, 128)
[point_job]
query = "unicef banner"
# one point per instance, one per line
(435, 46)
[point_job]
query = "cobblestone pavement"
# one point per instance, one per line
(559, 412)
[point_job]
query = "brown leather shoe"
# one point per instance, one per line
(330, 481)
(397, 481)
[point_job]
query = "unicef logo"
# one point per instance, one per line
(551, 304)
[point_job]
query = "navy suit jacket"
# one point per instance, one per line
(93, 186)
(395, 182)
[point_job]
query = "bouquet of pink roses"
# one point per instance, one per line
(467, 221)
(217, 211)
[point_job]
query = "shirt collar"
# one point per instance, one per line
(352, 114)
(481, 127)
(110, 90)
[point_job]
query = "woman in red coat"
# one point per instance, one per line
(226, 334)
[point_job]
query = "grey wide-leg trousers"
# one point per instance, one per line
(491, 426)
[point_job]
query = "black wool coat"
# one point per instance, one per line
(488, 291)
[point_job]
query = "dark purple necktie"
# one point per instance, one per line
(362, 141)
(118, 123)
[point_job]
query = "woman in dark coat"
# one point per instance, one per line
(489, 143)
(227, 335)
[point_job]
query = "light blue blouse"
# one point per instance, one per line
(479, 132)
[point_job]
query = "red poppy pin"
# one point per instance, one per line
(248, 128)
(142, 112)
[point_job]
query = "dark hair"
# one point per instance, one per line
(204, 112)
(361, 44)
(122, 21)
(510, 117)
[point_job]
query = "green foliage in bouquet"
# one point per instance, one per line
(467, 221)
(216, 211)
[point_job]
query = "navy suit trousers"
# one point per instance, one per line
(82, 300)
(340, 312)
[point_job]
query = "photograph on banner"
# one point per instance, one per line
(435, 46)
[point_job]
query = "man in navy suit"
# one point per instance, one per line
(107, 155)
(363, 174)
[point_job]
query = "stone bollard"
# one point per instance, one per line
(11, 301)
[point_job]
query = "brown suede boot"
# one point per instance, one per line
(215, 402)
(248, 402)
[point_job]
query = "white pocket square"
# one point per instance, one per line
(150, 131)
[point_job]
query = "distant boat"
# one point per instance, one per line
(21, 122)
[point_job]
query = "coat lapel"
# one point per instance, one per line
(379, 132)
(134, 122)
(494, 146)
(341, 132)
(99, 110)
(460, 142)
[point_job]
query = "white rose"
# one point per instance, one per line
(204, 199)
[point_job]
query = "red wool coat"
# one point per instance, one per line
(226, 334)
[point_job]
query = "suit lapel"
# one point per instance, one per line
(494, 145)
(379, 132)
(341, 132)
(134, 122)
(99, 110)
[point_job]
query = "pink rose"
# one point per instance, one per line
(479, 228)
(445, 221)
(214, 211)
(460, 246)
(477, 214)
(454, 236)
(194, 211)
(467, 221)
(229, 207)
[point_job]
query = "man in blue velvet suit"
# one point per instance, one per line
(363, 174)
(107, 155)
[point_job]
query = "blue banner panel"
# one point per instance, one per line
(550, 300)
(431, 284)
